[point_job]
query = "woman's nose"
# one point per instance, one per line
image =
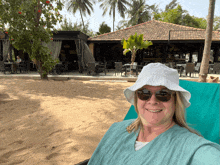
(152, 100)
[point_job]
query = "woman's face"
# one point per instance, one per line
(163, 117)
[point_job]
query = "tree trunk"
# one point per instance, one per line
(82, 19)
(39, 63)
(40, 71)
(114, 19)
(132, 59)
(208, 40)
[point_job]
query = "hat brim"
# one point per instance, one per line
(184, 94)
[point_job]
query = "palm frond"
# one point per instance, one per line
(104, 6)
(76, 5)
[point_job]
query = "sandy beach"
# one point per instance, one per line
(56, 122)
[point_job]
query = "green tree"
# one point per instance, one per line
(207, 46)
(181, 17)
(66, 25)
(27, 29)
(133, 44)
(216, 23)
(69, 26)
(104, 28)
(84, 7)
(122, 25)
(112, 5)
(191, 21)
(171, 15)
(201, 21)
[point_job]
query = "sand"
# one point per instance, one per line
(56, 122)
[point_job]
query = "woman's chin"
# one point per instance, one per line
(149, 123)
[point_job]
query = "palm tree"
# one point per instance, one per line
(208, 40)
(84, 6)
(134, 43)
(139, 12)
(171, 5)
(111, 5)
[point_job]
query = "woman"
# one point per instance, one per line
(18, 59)
(160, 135)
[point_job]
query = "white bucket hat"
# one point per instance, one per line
(156, 74)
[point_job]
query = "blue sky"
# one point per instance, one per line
(198, 8)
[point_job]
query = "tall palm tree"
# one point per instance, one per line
(171, 5)
(112, 5)
(208, 40)
(139, 12)
(84, 7)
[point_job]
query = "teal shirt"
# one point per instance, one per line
(176, 146)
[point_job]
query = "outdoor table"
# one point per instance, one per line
(130, 66)
(126, 66)
(98, 66)
(97, 63)
(11, 65)
(183, 65)
(179, 66)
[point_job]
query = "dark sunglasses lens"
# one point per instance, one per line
(162, 95)
(143, 96)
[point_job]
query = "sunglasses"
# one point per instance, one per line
(163, 95)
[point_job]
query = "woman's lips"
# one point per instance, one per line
(154, 110)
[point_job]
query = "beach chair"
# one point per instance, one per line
(204, 113)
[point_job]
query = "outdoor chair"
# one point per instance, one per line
(4, 68)
(22, 66)
(144, 63)
(101, 68)
(134, 68)
(216, 68)
(91, 68)
(180, 69)
(167, 64)
(28, 66)
(203, 113)
(197, 67)
(119, 68)
(172, 65)
(109, 65)
(139, 69)
(59, 68)
(190, 68)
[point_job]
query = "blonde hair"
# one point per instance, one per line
(178, 117)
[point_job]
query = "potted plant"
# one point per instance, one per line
(134, 43)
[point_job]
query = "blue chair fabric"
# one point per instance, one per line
(204, 113)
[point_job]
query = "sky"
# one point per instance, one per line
(198, 8)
